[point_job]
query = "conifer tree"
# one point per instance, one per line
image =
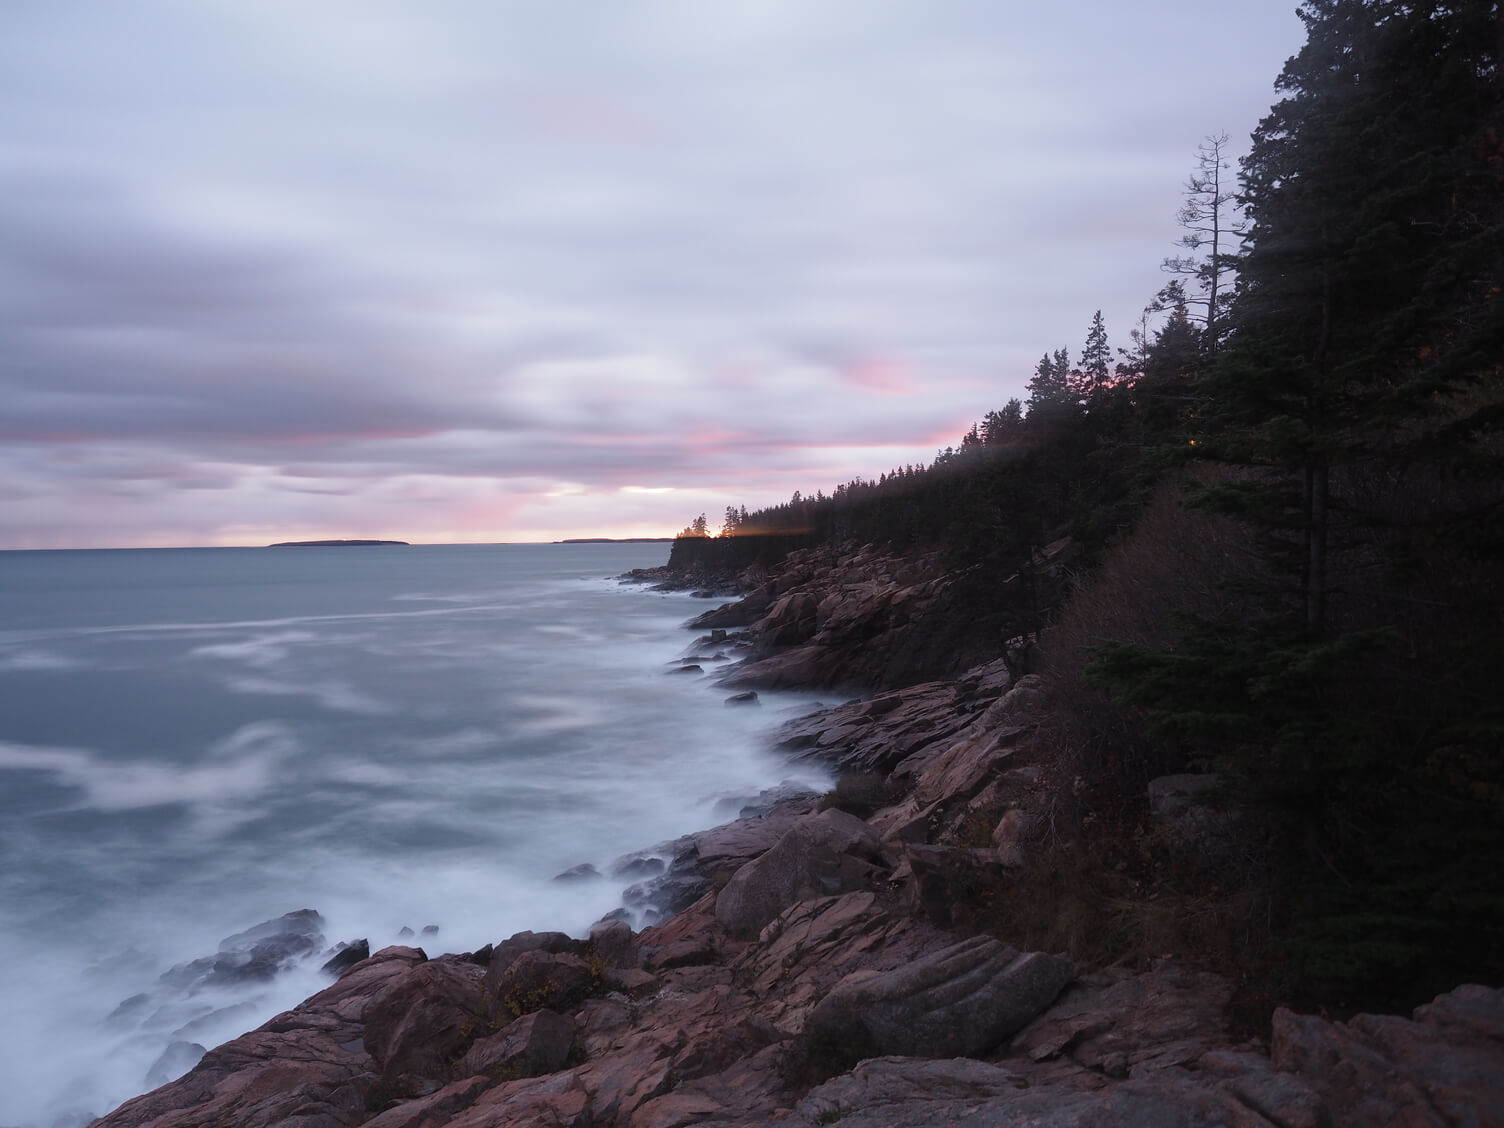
(1351, 403)
(1096, 358)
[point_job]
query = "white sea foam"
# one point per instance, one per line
(260, 651)
(246, 763)
(37, 660)
(330, 694)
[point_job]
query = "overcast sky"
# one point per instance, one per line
(500, 270)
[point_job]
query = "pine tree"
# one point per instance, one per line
(1004, 426)
(1352, 402)
(1049, 386)
(1096, 359)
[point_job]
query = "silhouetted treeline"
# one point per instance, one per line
(1336, 354)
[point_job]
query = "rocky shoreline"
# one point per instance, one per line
(820, 960)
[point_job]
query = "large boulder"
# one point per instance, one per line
(613, 944)
(514, 946)
(791, 620)
(960, 1001)
(422, 1022)
(531, 1046)
(538, 979)
(820, 856)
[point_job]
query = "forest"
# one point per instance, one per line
(1286, 509)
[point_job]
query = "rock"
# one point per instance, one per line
(538, 979)
(962, 1000)
(1282, 1098)
(427, 1018)
(671, 892)
(346, 956)
(582, 872)
(688, 668)
(634, 867)
(887, 1084)
(534, 1044)
(860, 793)
(435, 1109)
(813, 944)
(742, 613)
(556, 1101)
(256, 955)
(700, 861)
(1117, 1023)
(177, 1059)
(953, 886)
(819, 857)
(429, 930)
(691, 951)
(860, 620)
(740, 805)
(803, 667)
(527, 941)
(967, 765)
(1007, 837)
(877, 735)
(305, 923)
(629, 980)
(305, 1066)
(482, 955)
(791, 620)
(613, 943)
(1443, 1067)
(749, 697)
(896, 1092)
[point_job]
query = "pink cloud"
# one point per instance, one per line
(578, 114)
(880, 375)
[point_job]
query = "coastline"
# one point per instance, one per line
(826, 960)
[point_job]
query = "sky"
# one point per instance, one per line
(514, 271)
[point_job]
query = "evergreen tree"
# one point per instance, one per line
(1096, 358)
(1048, 385)
(1352, 401)
(1169, 403)
(1004, 426)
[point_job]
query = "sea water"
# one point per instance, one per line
(196, 740)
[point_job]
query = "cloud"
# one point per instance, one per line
(265, 268)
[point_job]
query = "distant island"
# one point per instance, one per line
(616, 540)
(331, 543)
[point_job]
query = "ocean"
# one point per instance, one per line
(193, 741)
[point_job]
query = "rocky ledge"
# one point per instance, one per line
(828, 968)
